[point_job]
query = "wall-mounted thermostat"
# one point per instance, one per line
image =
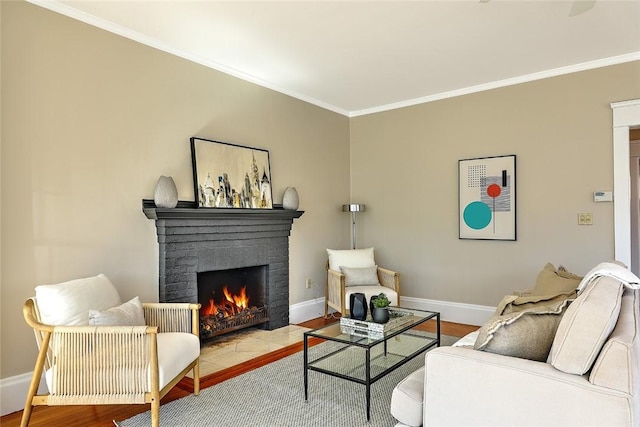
(603, 196)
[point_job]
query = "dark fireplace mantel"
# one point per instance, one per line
(188, 210)
(194, 240)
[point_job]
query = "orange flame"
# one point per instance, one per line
(211, 309)
(241, 300)
(239, 303)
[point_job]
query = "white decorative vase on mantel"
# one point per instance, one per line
(166, 194)
(290, 199)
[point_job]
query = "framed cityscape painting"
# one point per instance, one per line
(487, 198)
(230, 176)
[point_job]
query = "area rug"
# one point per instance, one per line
(273, 396)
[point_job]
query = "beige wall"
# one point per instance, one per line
(91, 120)
(404, 167)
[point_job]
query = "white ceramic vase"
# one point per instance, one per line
(166, 194)
(290, 199)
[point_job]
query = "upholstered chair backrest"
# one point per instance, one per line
(69, 303)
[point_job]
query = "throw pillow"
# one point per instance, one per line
(526, 334)
(350, 258)
(552, 282)
(68, 303)
(513, 303)
(563, 272)
(128, 314)
(360, 276)
(586, 326)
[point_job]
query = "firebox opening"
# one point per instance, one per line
(232, 299)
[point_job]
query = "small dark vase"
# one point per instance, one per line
(358, 306)
(371, 306)
(380, 314)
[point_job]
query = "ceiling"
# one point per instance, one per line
(360, 57)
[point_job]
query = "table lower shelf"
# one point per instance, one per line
(348, 362)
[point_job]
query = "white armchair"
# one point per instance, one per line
(355, 270)
(145, 352)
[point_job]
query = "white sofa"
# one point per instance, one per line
(591, 376)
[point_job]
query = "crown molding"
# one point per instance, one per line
(95, 21)
(614, 60)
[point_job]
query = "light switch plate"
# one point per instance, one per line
(585, 218)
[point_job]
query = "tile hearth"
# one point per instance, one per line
(231, 349)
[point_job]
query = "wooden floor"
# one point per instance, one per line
(103, 415)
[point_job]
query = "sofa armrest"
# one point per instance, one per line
(469, 387)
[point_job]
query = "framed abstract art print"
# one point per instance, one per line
(487, 198)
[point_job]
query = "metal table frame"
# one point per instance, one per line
(367, 344)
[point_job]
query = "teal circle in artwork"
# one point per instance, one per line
(477, 215)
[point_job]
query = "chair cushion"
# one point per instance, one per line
(370, 291)
(526, 334)
(176, 350)
(350, 258)
(69, 303)
(128, 314)
(586, 326)
(360, 276)
(407, 399)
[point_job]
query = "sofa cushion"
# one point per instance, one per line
(618, 366)
(128, 314)
(468, 340)
(354, 276)
(69, 303)
(407, 399)
(553, 282)
(586, 326)
(350, 258)
(526, 334)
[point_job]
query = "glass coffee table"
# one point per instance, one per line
(363, 353)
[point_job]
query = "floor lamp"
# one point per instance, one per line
(353, 208)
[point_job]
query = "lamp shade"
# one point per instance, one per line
(355, 207)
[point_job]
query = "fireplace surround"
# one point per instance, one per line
(199, 240)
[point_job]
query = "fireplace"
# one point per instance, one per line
(232, 299)
(195, 243)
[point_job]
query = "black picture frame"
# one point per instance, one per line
(230, 176)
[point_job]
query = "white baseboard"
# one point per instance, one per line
(469, 314)
(13, 390)
(306, 310)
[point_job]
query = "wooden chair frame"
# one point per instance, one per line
(335, 294)
(96, 365)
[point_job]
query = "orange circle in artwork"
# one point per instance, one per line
(493, 190)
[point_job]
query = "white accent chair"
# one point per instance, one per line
(355, 270)
(87, 363)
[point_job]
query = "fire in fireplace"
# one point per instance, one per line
(231, 300)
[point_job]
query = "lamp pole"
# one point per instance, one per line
(353, 208)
